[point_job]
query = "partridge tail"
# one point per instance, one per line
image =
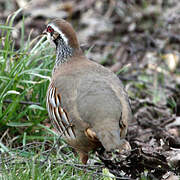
(110, 139)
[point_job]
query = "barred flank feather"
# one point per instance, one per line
(57, 114)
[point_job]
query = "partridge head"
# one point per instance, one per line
(86, 102)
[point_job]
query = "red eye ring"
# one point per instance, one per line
(50, 29)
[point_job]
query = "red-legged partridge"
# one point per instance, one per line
(86, 102)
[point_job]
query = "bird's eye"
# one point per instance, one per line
(50, 29)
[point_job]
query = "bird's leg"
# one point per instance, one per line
(125, 146)
(83, 157)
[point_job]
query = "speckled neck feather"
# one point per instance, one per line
(63, 52)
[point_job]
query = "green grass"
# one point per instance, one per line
(24, 78)
(30, 162)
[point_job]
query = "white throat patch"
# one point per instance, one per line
(60, 32)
